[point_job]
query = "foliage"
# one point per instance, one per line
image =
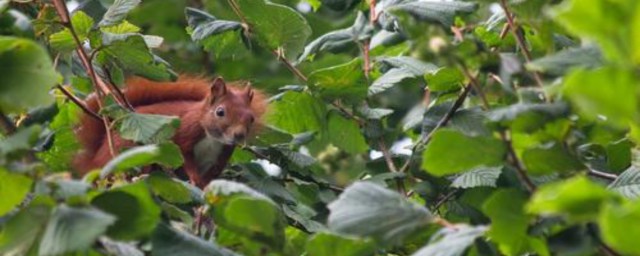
(396, 127)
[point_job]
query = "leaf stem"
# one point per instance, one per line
(78, 102)
(604, 175)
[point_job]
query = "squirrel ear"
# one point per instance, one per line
(249, 92)
(218, 89)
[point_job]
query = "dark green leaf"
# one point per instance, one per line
(483, 176)
(628, 183)
(131, 52)
(436, 11)
(168, 241)
(328, 244)
(558, 64)
(118, 11)
(452, 242)
(148, 128)
(344, 81)
(205, 25)
(171, 190)
(368, 210)
(345, 134)
(166, 154)
(549, 158)
(444, 79)
(297, 112)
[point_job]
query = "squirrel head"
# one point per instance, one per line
(231, 112)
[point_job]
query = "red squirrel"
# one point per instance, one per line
(227, 114)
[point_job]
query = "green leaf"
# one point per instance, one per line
(73, 229)
(452, 242)
(549, 158)
(444, 79)
(588, 57)
(168, 241)
(528, 116)
(344, 81)
(436, 11)
(276, 26)
(172, 191)
(123, 27)
(205, 25)
(238, 214)
(119, 248)
(365, 209)
(412, 65)
(480, 177)
(608, 91)
(63, 40)
(389, 79)
(27, 75)
(577, 198)
(328, 244)
(21, 141)
(19, 233)
(619, 226)
(132, 204)
(345, 134)
(628, 183)
(451, 152)
(166, 154)
(13, 189)
(131, 52)
(604, 23)
(65, 145)
(509, 223)
(148, 128)
(118, 11)
(297, 112)
(360, 30)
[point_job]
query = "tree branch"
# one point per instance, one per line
(78, 102)
(604, 175)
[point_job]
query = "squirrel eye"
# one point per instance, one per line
(220, 111)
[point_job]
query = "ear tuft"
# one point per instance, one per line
(218, 89)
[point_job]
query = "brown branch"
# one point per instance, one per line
(366, 57)
(520, 170)
(391, 165)
(372, 12)
(604, 175)
(443, 222)
(515, 30)
(445, 199)
(289, 65)
(78, 102)
(119, 92)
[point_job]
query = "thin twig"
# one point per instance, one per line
(391, 165)
(443, 222)
(78, 102)
(119, 92)
(604, 175)
(366, 57)
(445, 119)
(520, 41)
(289, 65)
(445, 199)
(373, 17)
(520, 170)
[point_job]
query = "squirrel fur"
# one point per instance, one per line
(227, 113)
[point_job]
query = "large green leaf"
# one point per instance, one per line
(168, 241)
(297, 112)
(171, 190)
(620, 226)
(132, 204)
(452, 242)
(628, 183)
(205, 25)
(13, 189)
(148, 128)
(20, 232)
(436, 11)
(27, 75)
(550, 158)
(276, 26)
(509, 223)
(63, 40)
(577, 198)
(345, 134)
(118, 11)
(610, 92)
(167, 154)
(368, 210)
(73, 229)
(482, 176)
(444, 79)
(561, 62)
(344, 81)
(451, 152)
(328, 244)
(131, 52)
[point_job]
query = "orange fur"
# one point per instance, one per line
(189, 98)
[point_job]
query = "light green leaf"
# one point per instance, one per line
(389, 79)
(328, 244)
(608, 91)
(577, 197)
(172, 191)
(619, 226)
(444, 79)
(27, 75)
(345, 134)
(13, 189)
(136, 211)
(344, 81)
(73, 229)
(131, 52)
(166, 154)
(276, 26)
(628, 183)
(219, 190)
(433, 10)
(549, 158)
(205, 25)
(63, 40)
(297, 112)
(452, 152)
(588, 57)
(20, 232)
(483, 176)
(365, 209)
(148, 128)
(118, 11)
(451, 242)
